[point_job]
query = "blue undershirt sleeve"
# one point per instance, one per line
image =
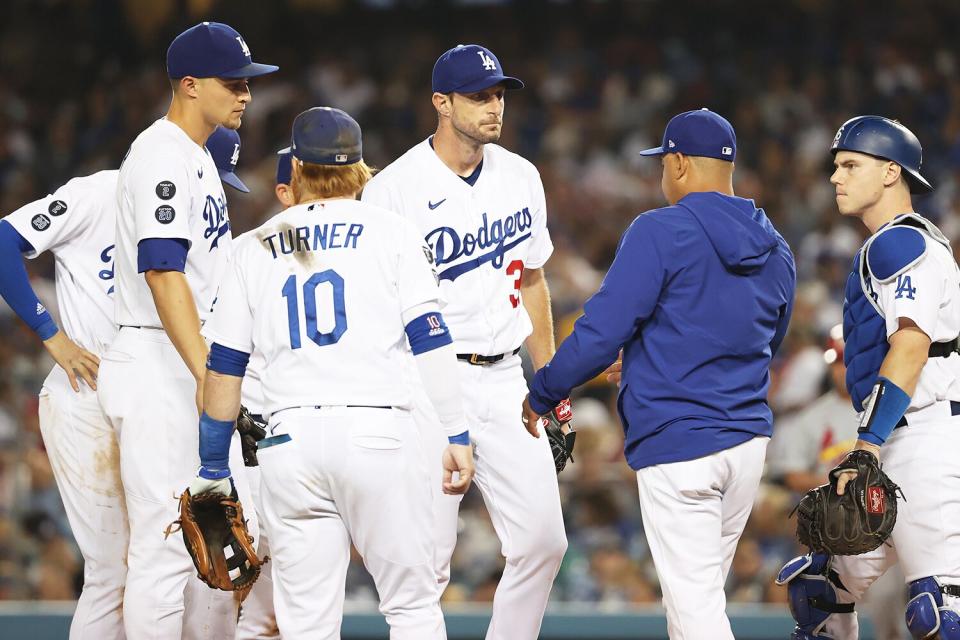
(227, 361)
(15, 286)
(611, 317)
(162, 254)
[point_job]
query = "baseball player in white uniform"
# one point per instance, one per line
(326, 290)
(173, 242)
(901, 328)
(77, 224)
(258, 619)
(483, 214)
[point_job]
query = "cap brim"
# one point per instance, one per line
(509, 83)
(251, 70)
(230, 178)
(655, 151)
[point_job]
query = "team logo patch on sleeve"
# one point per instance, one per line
(165, 214)
(40, 222)
(57, 208)
(166, 190)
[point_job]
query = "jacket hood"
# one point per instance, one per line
(740, 233)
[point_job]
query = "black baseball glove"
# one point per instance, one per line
(251, 432)
(561, 444)
(857, 522)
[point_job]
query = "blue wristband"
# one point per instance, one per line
(460, 438)
(886, 406)
(215, 447)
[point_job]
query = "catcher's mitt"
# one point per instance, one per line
(857, 522)
(211, 522)
(561, 444)
(251, 432)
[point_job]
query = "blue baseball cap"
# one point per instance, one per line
(324, 135)
(224, 146)
(284, 166)
(213, 50)
(467, 68)
(698, 133)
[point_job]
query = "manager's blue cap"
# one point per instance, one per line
(284, 166)
(698, 133)
(213, 50)
(224, 146)
(324, 135)
(467, 68)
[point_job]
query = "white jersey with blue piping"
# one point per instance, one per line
(482, 238)
(169, 187)
(77, 224)
(911, 273)
(320, 290)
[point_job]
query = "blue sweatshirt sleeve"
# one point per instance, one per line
(611, 317)
(15, 286)
(790, 286)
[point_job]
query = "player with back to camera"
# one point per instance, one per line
(698, 296)
(173, 241)
(901, 326)
(482, 211)
(350, 284)
(77, 224)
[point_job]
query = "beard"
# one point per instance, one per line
(475, 132)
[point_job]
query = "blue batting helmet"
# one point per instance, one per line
(887, 139)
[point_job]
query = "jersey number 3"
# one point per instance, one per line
(515, 267)
(289, 292)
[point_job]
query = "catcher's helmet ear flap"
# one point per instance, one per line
(887, 139)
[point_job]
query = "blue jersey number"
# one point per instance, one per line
(289, 292)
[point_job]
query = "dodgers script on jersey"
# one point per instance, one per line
(319, 290)
(169, 188)
(482, 238)
(77, 224)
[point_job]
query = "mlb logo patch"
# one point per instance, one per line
(341, 157)
(876, 501)
(726, 151)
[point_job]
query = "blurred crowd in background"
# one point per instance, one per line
(80, 79)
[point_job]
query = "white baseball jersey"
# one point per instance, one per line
(927, 292)
(251, 391)
(319, 290)
(77, 224)
(169, 187)
(482, 237)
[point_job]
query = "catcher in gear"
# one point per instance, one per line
(901, 326)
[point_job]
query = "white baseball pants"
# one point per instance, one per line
(349, 473)
(85, 459)
(693, 514)
(518, 481)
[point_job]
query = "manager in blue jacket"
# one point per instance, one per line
(698, 296)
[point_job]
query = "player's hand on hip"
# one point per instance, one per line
(202, 485)
(530, 418)
(457, 458)
(74, 359)
(614, 371)
(845, 477)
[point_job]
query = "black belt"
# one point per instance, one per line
(137, 326)
(944, 349)
(476, 358)
(954, 411)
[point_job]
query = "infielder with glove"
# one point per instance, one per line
(698, 296)
(330, 291)
(482, 211)
(173, 241)
(901, 327)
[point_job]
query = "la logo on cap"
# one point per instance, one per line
(244, 47)
(671, 144)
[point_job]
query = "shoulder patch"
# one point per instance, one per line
(895, 250)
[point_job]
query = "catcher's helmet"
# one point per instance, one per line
(884, 138)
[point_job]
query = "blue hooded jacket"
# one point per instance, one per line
(698, 296)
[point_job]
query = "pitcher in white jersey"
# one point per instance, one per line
(173, 241)
(483, 214)
(901, 328)
(330, 291)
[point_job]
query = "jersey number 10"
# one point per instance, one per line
(289, 292)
